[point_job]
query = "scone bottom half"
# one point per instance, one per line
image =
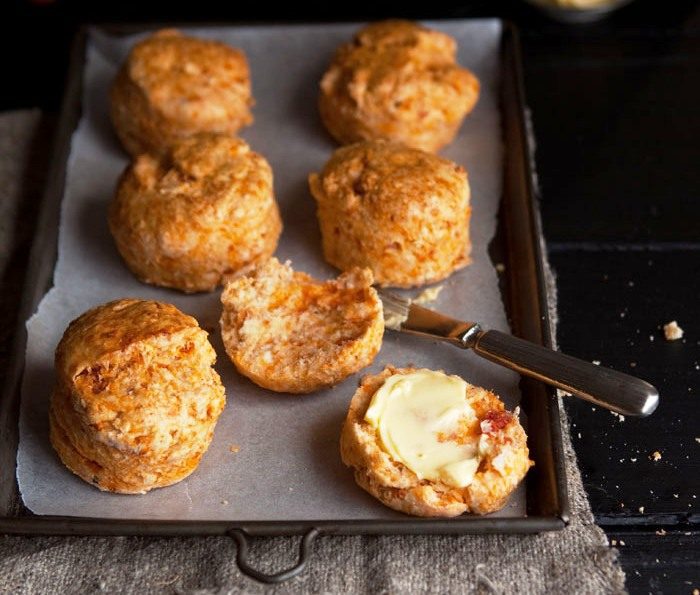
(188, 219)
(428, 444)
(401, 212)
(136, 398)
(173, 86)
(398, 81)
(291, 333)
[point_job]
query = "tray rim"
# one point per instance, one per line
(44, 253)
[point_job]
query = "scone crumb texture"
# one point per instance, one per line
(672, 331)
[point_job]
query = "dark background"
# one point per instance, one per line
(616, 113)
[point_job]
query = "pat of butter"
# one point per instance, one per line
(415, 414)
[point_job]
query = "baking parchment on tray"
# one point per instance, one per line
(286, 464)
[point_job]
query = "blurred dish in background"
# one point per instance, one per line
(578, 11)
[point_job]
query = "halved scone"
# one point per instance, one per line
(290, 333)
(428, 444)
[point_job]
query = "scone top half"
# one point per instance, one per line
(172, 86)
(404, 213)
(450, 449)
(289, 332)
(204, 210)
(136, 397)
(399, 81)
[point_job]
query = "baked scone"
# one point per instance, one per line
(205, 210)
(290, 333)
(136, 397)
(172, 86)
(428, 444)
(397, 81)
(402, 212)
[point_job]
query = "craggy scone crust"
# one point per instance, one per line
(398, 81)
(402, 212)
(504, 463)
(290, 333)
(136, 398)
(172, 86)
(204, 211)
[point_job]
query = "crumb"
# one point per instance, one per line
(224, 502)
(661, 532)
(633, 460)
(622, 504)
(428, 295)
(633, 364)
(621, 418)
(234, 448)
(641, 509)
(592, 408)
(675, 495)
(651, 338)
(655, 456)
(672, 331)
(596, 362)
(622, 542)
(613, 542)
(500, 267)
(579, 434)
(697, 440)
(622, 314)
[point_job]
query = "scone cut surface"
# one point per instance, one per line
(289, 332)
(503, 459)
(173, 86)
(205, 210)
(399, 81)
(136, 398)
(401, 212)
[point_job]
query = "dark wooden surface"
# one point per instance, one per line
(616, 112)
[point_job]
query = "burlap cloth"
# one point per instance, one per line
(575, 560)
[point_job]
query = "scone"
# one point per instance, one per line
(205, 210)
(290, 333)
(401, 212)
(172, 86)
(397, 81)
(428, 444)
(136, 397)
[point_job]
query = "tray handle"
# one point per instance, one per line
(241, 537)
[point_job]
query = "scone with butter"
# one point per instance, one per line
(173, 86)
(136, 397)
(428, 444)
(399, 81)
(401, 212)
(289, 332)
(203, 211)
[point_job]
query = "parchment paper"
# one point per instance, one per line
(288, 466)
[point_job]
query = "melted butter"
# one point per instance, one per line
(415, 414)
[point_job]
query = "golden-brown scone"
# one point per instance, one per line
(402, 212)
(503, 464)
(291, 333)
(172, 86)
(204, 211)
(398, 81)
(136, 397)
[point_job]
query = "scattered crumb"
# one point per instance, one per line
(592, 408)
(622, 542)
(655, 456)
(675, 495)
(579, 434)
(620, 418)
(641, 509)
(500, 267)
(622, 504)
(613, 542)
(428, 295)
(234, 448)
(661, 532)
(224, 502)
(622, 314)
(633, 460)
(633, 364)
(651, 338)
(697, 440)
(596, 362)
(672, 331)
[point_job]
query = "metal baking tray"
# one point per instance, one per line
(523, 284)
